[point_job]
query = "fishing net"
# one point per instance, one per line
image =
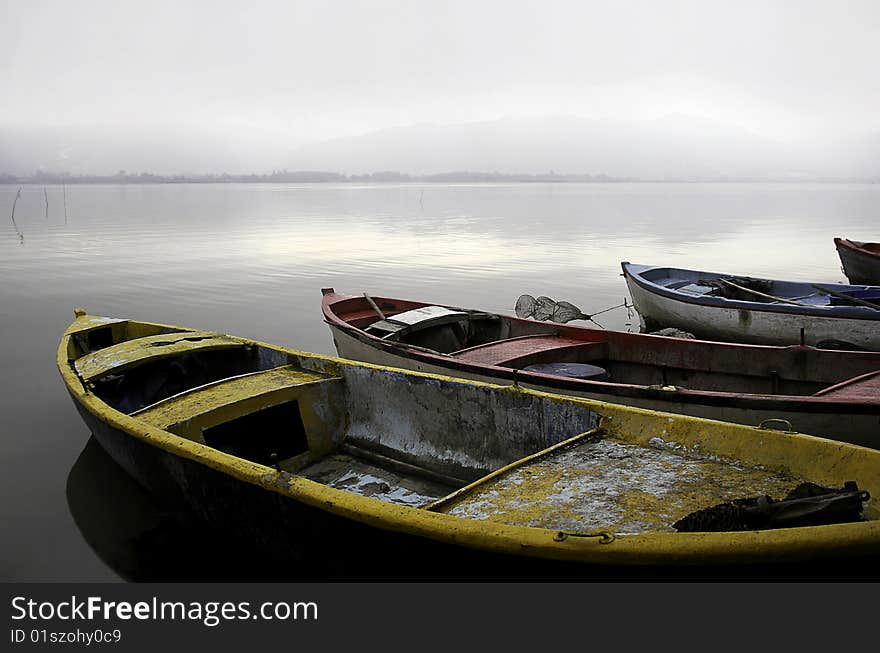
(525, 306)
(545, 309)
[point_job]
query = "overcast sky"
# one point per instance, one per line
(311, 70)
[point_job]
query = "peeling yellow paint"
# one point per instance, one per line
(220, 402)
(125, 354)
(618, 487)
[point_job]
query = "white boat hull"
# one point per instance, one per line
(752, 326)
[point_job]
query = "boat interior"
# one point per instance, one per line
(437, 444)
(607, 356)
(761, 291)
(346, 426)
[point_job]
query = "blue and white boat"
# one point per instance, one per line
(716, 306)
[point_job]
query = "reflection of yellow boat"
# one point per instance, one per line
(142, 539)
(265, 440)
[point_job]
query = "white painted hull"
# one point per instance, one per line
(862, 429)
(751, 326)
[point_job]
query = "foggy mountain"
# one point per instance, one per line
(675, 147)
(671, 148)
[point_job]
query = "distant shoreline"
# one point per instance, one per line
(317, 177)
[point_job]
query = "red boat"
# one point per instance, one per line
(818, 391)
(861, 261)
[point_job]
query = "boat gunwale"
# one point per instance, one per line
(648, 548)
(859, 260)
(857, 247)
(802, 403)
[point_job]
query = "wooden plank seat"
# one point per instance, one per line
(860, 388)
(526, 350)
(118, 357)
(218, 401)
(416, 319)
(361, 318)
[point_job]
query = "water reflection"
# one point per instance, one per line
(250, 259)
(140, 538)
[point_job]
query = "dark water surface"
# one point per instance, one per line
(250, 260)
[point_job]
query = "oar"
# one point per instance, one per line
(855, 300)
(760, 294)
(373, 304)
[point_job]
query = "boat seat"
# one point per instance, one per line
(859, 388)
(414, 320)
(678, 283)
(695, 289)
(116, 358)
(532, 349)
(220, 401)
(583, 371)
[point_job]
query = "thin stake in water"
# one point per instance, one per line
(17, 230)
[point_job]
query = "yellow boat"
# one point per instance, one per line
(263, 440)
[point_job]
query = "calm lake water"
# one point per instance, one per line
(250, 260)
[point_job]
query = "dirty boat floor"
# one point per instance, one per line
(612, 485)
(354, 474)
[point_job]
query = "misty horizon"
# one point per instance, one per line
(689, 89)
(672, 148)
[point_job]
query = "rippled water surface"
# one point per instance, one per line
(251, 259)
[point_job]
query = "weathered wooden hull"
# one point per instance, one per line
(860, 261)
(271, 505)
(857, 425)
(292, 529)
(751, 322)
(748, 325)
(854, 419)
